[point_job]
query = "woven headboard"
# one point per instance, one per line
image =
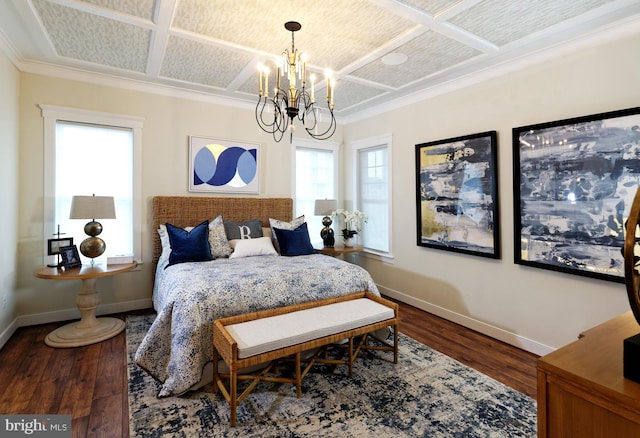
(184, 211)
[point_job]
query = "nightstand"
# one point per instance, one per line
(89, 330)
(339, 249)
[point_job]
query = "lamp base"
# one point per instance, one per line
(327, 234)
(93, 247)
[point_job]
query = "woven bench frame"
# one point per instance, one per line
(226, 347)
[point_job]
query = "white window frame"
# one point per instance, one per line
(370, 143)
(315, 144)
(51, 115)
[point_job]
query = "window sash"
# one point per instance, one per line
(372, 181)
(96, 160)
(315, 177)
(53, 115)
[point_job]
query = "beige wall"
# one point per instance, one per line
(9, 147)
(525, 306)
(168, 122)
(534, 308)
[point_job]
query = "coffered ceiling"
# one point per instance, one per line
(212, 47)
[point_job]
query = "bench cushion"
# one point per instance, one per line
(274, 332)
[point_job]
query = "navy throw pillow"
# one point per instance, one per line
(294, 242)
(189, 246)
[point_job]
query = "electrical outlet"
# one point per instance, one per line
(4, 302)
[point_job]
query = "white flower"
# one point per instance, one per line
(353, 220)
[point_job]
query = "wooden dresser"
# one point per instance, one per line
(581, 388)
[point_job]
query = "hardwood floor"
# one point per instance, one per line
(90, 382)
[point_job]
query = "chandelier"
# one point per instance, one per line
(276, 114)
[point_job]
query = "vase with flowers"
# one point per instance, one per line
(353, 221)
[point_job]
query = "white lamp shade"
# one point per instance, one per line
(92, 207)
(324, 207)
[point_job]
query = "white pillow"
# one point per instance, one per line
(258, 246)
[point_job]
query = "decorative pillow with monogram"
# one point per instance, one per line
(243, 230)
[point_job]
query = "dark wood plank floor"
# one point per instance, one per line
(90, 382)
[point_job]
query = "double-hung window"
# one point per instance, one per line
(316, 173)
(89, 153)
(372, 158)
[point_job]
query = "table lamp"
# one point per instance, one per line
(93, 207)
(326, 207)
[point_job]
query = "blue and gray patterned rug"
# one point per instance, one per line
(426, 394)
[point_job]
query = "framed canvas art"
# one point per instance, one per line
(223, 166)
(456, 195)
(574, 181)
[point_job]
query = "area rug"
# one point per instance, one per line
(426, 394)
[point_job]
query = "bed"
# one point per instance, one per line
(188, 297)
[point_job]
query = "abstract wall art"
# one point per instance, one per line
(456, 195)
(574, 181)
(223, 166)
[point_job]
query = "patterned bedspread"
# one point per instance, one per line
(190, 296)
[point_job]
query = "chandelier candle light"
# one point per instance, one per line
(291, 103)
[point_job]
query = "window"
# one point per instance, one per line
(90, 153)
(315, 178)
(372, 159)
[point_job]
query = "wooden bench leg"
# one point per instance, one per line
(395, 343)
(216, 378)
(233, 395)
(351, 357)
(298, 377)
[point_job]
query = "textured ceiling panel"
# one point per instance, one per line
(355, 27)
(87, 37)
(215, 45)
(503, 22)
(348, 94)
(427, 54)
(432, 7)
(137, 8)
(190, 61)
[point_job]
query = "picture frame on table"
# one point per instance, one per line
(70, 256)
(573, 182)
(54, 245)
(457, 202)
(223, 166)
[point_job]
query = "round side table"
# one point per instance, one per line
(89, 330)
(339, 249)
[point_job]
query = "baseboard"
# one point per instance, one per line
(69, 314)
(8, 332)
(471, 323)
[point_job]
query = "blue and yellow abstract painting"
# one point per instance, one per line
(223, 166)
(457, 200)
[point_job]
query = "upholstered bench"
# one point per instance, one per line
(269, 335)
